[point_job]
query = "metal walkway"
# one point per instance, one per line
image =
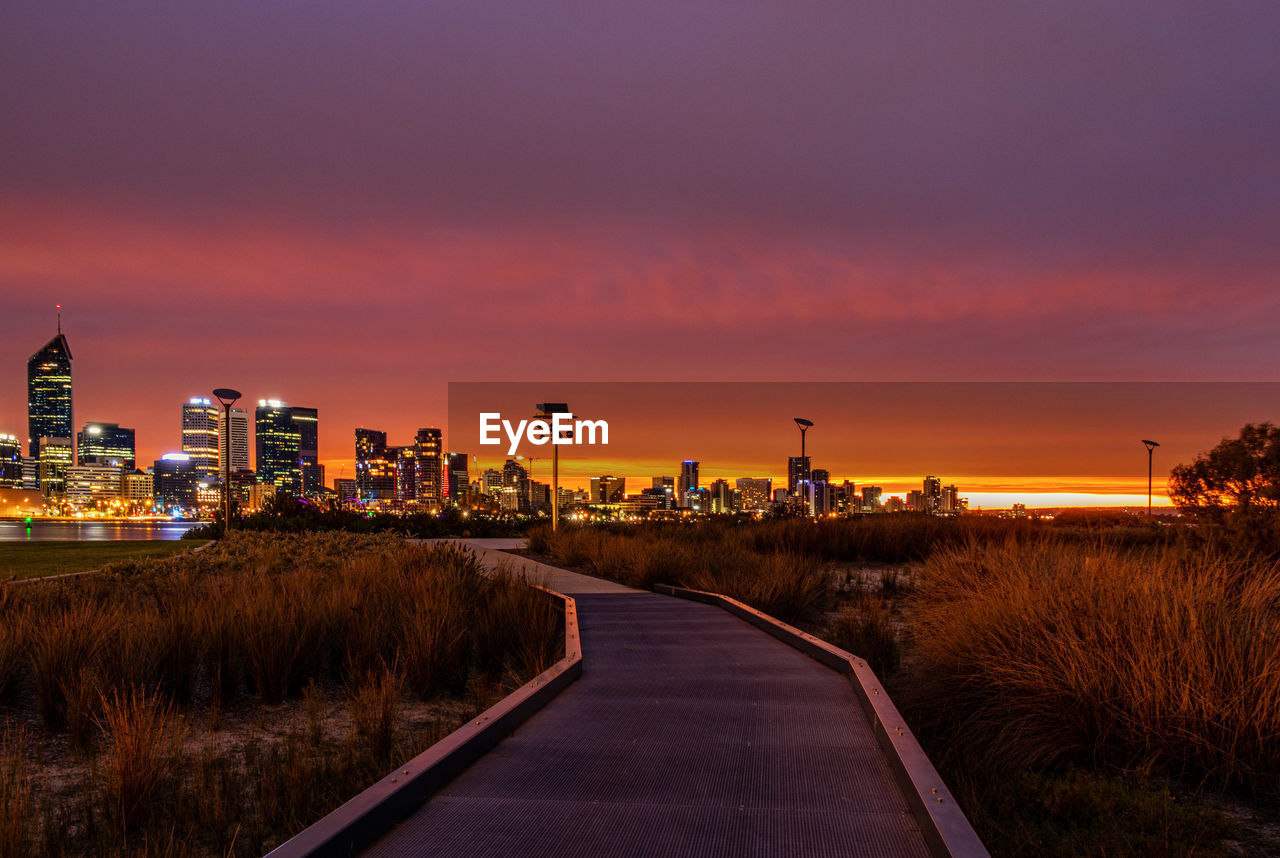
(689, 733)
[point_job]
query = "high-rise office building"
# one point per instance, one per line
(822, 496)
(404, 462)
(105, 444)
(459, 482)
(871, 497)
(49, 394)
(687, 484)
(277, 441)
(238, 425)
(756, 492)
(796, 469)
(608, 489)
(723, 498)
(174, 482)
(200, 435)
(428, 448)
(56, 455)
(932, 492)
(307, 421)
(10, 462)
(375, 478)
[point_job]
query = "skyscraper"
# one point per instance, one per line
(932, 494)
(49, 393)
(688, 483)
(307, 420)
(200, 435)
(373, 480)
(10, 462)
(428, 448)
(105, 444)
(277, 440)
(459, 481)
(56, 455)
(239, 440)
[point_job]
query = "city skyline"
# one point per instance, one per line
(895, 475)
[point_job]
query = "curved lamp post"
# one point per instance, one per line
(226, 397)
(804, 465)
(1151, 446)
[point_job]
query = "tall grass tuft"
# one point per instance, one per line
(17, 807)
(865, 628)
(144, 738)
(1049, 654)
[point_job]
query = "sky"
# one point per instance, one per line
(348, 206)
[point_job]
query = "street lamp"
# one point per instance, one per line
(1151, 446)
(550, 409)
(227, 397)
(804, 465)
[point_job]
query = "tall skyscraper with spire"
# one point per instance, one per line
(49, 392)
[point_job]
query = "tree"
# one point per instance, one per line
(1239, 477)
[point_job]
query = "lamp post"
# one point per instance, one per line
(226, 397)
(1151, 446)
(550, 409)
(804, 465)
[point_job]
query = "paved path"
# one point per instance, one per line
(689, 733)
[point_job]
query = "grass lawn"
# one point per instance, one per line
(36, 559)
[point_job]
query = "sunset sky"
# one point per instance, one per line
(348, 206)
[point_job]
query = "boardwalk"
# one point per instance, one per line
(689, 733)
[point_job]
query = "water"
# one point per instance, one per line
(92, 531)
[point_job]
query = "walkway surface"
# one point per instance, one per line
(689, 733)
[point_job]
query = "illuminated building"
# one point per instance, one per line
(894, 504)
(174, 481)
(31, 473)
(107, 444)
(307, 421)
(277, 440)
(200, 434)
(755, 492)
(239, 426)
(491, 482)
(667, 485)
(688, 483)
(608, 489)
(404, 462)
(823, 496)
(932, 494)
(49, 393)
(871, 497)
(459, 477)
(371, 479)
(796, 468)
(10, 462)
(723, 499)
(428, 448)
(93, 485)
(950, 500)
(138, 491)
(916, 500)
(56, 455)
(344, 487)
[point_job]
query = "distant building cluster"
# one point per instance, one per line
(94, 470)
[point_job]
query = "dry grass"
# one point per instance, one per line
(110, 671)
(723, 560)
(1052, 654)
